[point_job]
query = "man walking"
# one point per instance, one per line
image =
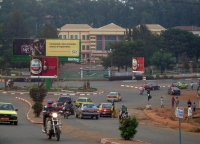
(177, 102)
(192, 86)
(189, 114)
(173, 100)
(161, 103)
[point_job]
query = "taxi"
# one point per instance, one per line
(8, 113)
(114, 96)
(105, 109)
(82, 100)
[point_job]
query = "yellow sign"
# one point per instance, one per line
(62, 47)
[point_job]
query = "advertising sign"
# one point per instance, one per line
(45, 67)
(179, 112)
(46, 47)
(138, 64)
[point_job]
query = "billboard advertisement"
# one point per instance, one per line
(45, 67)
(46, 47)
(138, 64)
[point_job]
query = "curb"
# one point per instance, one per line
(130, 86)
(30, 105)
(107, 141)
(56, 93)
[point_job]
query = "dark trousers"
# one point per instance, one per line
(44, 120)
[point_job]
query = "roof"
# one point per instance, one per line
(111, 26)
(153, 26)
(106, 103)
(76, 26)
(83, 97)
(188, 28)
(4, 103)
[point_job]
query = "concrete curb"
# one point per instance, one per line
(107, 141)
(130, 86)
(30, 106)
(56, 93)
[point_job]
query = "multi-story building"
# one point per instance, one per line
(193, 29)
(155, 28)
(93, 40)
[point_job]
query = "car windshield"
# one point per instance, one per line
(150, 83)
(89, 106)
(64, 99)
(6, 107)
(113, 93)
(175, 88)
(106, 105)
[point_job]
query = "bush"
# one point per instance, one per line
(38, 94)
(128, 128)
(165, 77)
(37, 108)
(149, 77)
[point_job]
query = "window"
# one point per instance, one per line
(76, 36)
(87, 55)
(64, 37)
(120, 38)
(83, 37)
(99, 46)
(71, 36)
(87, 37)
(99, 37)
(60, 36)
(110, 38)
(83, 47)
(88, 47)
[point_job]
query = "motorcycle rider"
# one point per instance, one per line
(66, 106)
(46, 111)
(141, 89)
(123, 109)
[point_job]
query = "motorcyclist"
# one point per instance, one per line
(123, 109)
(141, 89)
(46, 112)
(66, 106)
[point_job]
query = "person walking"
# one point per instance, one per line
(189, 103)
(161, 102)
(177, 101)
(113, 110)
(194, 107)
(173, 100)
(191, 86)
(189, 114)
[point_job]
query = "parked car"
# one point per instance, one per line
(61, 100)
(8, 113)
(105, 109)
(87, 109)
(180, 85)
(114, 96)
(151, 86)
(174, 91)
(82, 100)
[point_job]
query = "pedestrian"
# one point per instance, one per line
(194, 107)
(173, 99)
(177, 101)
(189, 103)
(192, 86)
(189, 114)
(113, 110)
(161, 103)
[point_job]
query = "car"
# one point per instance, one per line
(180, 85)
(174, 91)
(61, 100)
(151, 86)
(114, 96)
(8, 113)
(82, 100)
(105, 109)
(87, 109)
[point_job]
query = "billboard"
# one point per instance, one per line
(138, 64)
(46, 47)
(45, 67)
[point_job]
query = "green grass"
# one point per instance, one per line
(197, 120)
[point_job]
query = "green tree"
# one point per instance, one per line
(48, 31)
(162, 60)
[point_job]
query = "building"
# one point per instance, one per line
(194, 29)
(154, 28)
(93, 40)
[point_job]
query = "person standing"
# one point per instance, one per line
(189, 103)
(173, 100)
(194, 107)
(113, 110)
(189, 114)
(192, 86)
(177, 101)
(161, 102)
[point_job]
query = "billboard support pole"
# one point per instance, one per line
(57, 74)
(30, 71)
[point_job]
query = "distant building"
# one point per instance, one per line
(154, 28)
(93, 40)
(194, 29)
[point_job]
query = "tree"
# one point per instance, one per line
(48, 31)
(162, 60)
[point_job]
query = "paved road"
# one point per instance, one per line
(26, 132)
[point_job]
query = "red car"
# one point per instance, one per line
(151, 86)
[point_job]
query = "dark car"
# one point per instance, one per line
(105, 109)
(61, 100)
(174, 91)
(151, 86)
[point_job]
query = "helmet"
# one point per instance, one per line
(50, 102)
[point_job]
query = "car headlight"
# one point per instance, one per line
(13, 114)
(55, 115)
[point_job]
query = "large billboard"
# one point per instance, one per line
(46, 47)
(138, 64)
(44, 67)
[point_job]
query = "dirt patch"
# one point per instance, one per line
(121, 141)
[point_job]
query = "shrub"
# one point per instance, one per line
(165, 77)
(128, 128)
(149, 77)
(37, 108)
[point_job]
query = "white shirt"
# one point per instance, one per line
(189, 111)
(161, 101)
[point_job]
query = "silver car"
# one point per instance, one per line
(89, 110)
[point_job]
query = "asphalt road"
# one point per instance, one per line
(26, 132)
(109, 126)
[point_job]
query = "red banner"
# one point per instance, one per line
(45, 67)
(138, 64)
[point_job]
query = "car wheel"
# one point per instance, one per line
(15, 123)
(92, 117)
(153, 88)
(108, 100)
(121, 99)
(97, 117)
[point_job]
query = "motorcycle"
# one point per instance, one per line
(123, 117)
(66, 113)
(53, 126)
(141, 92)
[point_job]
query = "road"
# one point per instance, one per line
(131, 99)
